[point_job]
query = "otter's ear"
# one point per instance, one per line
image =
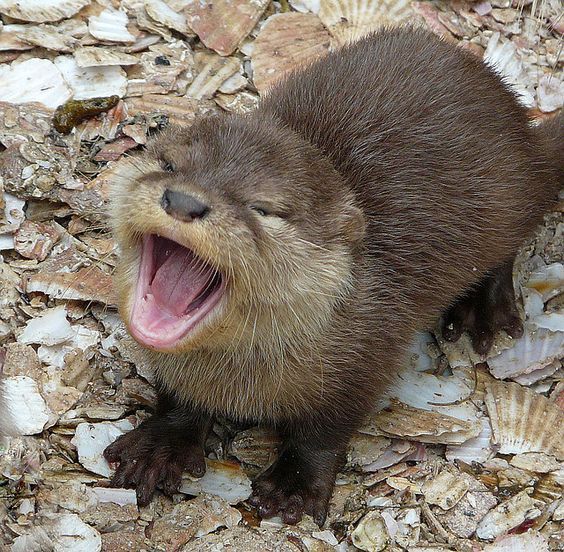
(353, 224)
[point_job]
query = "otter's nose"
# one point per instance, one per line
(183, 206)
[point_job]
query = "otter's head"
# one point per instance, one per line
(231, 231)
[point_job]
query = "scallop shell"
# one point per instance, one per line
(61, 38)
(41, 11)
(110, 25)
(214, 71)
(404, 421)
(285, 42)
(223, 24)
(523, 421)
(178, 110)
(92, 82)
(349, 20)
(162, 13)
(33, 80)
(92, 56)
(535, 350)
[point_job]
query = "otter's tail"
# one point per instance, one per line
(551, 132)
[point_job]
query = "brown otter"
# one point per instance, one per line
(276, 265)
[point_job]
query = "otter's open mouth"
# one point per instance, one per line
(175, 291)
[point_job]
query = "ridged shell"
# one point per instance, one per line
(179, 110)
(223, 24)
(214, 71)
(287, 41)
(349, 20)
(407, 422)
(61, 38)
(535, 350)
(523, 421)
(41, 11)
(91, 56)
(110, 25)
(162, 13)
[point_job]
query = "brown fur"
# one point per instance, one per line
(403, 171)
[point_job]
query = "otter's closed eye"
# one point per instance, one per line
(167, 166)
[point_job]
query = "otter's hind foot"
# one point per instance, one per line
(300, 482)
(485, 311)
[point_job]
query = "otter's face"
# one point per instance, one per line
(230, 231)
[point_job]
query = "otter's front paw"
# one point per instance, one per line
(293, 487)
(154, 455)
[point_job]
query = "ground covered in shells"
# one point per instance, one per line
(468, 453)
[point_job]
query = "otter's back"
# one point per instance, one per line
(436, 148)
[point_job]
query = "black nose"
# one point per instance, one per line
(183, 206)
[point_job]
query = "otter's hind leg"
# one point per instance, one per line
(485, 311)
(301, 480)
(157, 452)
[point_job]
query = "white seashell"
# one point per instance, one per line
(70, 534)
(224, 479)
(90, 441)
(426, 426)
(538, 375)
(523, 421)
(110, 25)
(531, 541)
(91, 56)
(304, 6)
(61, 38)
(429, 409)
(423, 390)
(215, 70)
(41, 11)
(285, 42)
(550, 93)
(33, 80)
(162, 13)
(349, 20)
(51, 328)
(28, 409)
(535, 350)
(533, 302)
(547, 280)
(10, 38)
(92, 82)
(478, 449)
(553, 321)
(507, 515)
(121, 497)
(536, 462)
(371, 533)
(444, 490)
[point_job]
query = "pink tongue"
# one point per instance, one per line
(179, 280)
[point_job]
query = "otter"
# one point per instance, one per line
(275, 266)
